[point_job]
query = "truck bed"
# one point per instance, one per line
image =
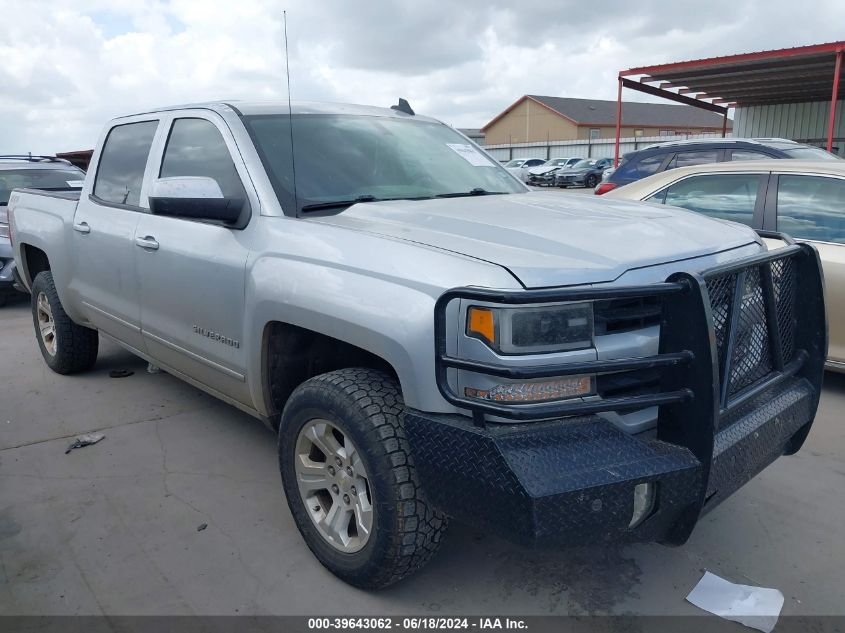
(71, 193)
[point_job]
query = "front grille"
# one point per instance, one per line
(615, 316)
(738, 301)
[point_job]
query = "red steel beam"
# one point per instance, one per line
(831, 47)
(833, 97)
(809, 65)
(618, 123)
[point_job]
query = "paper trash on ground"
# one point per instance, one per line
(757, 607)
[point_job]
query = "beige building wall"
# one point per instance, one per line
(529, 121)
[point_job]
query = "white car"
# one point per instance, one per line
(805, 199)
(519, 166)
(544, 174)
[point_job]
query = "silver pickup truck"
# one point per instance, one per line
(430, 338)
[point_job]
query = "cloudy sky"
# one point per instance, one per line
(67, 66)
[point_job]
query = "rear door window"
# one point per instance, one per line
(744, 154)
(811, 207)
(636, 169)
(120, 172)
(697, 157)
(723, 196)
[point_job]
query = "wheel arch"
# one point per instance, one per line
(34, 261)
(291, 354)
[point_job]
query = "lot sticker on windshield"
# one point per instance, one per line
(470, 154)
(75, 183)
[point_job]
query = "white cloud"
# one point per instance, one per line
(66, 69)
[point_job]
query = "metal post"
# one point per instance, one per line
(618, 123)
(832, 119)
(725, 124)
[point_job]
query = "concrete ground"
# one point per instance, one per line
(113, 528)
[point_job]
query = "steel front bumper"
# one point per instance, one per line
(571, 481)
(741, 370)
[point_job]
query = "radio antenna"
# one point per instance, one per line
(290, 114)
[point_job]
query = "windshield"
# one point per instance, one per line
(347, 158)
(584, 164)
(810, 153)
(50, 179)
(516, 162)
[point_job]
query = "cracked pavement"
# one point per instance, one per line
(112, 528)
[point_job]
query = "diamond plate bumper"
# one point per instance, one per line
(571, 481)
(741, 360)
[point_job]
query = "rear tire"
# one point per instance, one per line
(65, 346)
(363, 410)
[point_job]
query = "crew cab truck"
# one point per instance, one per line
(430, 338)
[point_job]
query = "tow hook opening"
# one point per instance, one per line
(645, 495)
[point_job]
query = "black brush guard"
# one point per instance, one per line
(741, 361)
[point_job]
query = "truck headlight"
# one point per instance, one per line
(532, 330)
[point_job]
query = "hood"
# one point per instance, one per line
(543, 169)
(548, 239)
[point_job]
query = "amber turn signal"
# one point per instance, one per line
(481, 323)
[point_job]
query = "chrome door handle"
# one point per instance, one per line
(81, 227)
(149, 243)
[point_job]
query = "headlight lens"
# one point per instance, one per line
(533, 330)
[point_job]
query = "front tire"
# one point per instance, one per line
(350, 481)
(591, 182)
(65, 346)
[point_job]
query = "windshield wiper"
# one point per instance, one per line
(336, 204)
(478, 191)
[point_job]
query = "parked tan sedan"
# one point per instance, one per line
(801, 198)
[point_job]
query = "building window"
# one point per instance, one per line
(595, 133)
(638, 133)
(667, 132)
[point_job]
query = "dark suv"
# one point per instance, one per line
(656, 158)
(33, 172)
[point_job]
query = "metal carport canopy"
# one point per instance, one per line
(800, 74)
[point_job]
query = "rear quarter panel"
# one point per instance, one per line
(45, 222)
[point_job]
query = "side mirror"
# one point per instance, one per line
(194, 197)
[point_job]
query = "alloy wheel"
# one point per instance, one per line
(46, 324)
(333, 485)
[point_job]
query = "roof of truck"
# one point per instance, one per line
(282, 107)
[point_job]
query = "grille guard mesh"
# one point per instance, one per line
(737, 325)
